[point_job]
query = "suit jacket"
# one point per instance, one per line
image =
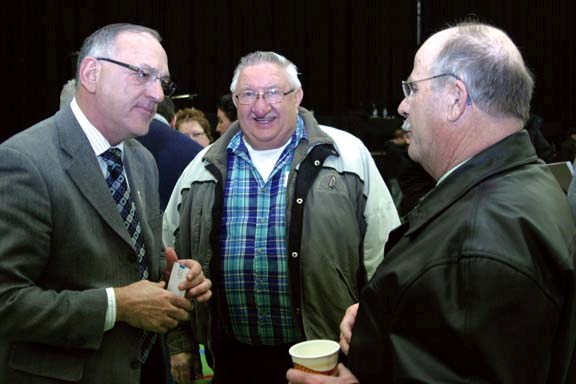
(62, 243)
(173, 151)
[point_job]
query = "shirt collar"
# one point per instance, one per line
(236, 144)
(444, 176)
(97, 141)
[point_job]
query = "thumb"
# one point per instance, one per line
(171, 255)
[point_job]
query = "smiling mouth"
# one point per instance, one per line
(149, 111)
(264, 120)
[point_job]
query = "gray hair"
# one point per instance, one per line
(67, 93)
(260, 57)
(102, 43)
(491, 66)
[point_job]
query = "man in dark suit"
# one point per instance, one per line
(80, 289)
(172, 150)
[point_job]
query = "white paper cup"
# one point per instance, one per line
(316, 356)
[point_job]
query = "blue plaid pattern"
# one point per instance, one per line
(121, 194)
(253, 248)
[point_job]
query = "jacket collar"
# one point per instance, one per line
(216, 154)
(80, 163)
(514, 151)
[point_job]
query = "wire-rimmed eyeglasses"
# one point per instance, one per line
(146, 76)
(271, 96)
(408, 86)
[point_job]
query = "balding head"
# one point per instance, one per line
(491, 66)
(469, 89)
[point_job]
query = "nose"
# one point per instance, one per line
(403, 108)
(261, 106)
(155, 90)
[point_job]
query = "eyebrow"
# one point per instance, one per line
(266, 88)
(154, 69)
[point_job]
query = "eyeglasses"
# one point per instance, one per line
(272, 96)
(146, 76)
(408, 86)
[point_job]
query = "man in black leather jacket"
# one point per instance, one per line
(477, 285)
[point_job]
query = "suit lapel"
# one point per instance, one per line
(136, 169)
(81, 164)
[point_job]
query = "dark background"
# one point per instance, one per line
(351, 53)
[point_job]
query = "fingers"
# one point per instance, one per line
(147, 305)
(196, 284)
(296, 376)
(346, 327)
(180, 366)
(171, 257)
(195, 275)
(201, 292)
(170, 254)
(181, 307)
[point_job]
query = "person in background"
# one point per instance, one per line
(413, 180)
(289, 219)
(544, 149)
(225, 112)
(67, 93)
(81, 254)
(480, 279)
(193, 123)
(171, 149)
(568, 146)
(166, 112)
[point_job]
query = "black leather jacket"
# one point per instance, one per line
(478, 285)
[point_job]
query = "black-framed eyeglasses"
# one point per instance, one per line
(408, 86)
(146, 76)
(272, 96)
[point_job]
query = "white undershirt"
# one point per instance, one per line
(444, 176)
(264, 159)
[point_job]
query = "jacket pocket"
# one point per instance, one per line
(52, 362)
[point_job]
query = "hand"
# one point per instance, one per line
(343, 376)
(147, 305)
(196, 284)
(346, 327)
(171, 257)
(183, 367)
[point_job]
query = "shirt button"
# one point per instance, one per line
(299, 200)
(294, 254)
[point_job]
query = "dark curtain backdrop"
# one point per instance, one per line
(351, 53)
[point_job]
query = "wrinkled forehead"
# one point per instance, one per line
(262, 75)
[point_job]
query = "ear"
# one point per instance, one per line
(89, 72)
(299, 95)
(459, 100)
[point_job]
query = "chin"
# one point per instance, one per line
(141, 131)
(413, 154)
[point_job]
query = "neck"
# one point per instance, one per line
(473, 137)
